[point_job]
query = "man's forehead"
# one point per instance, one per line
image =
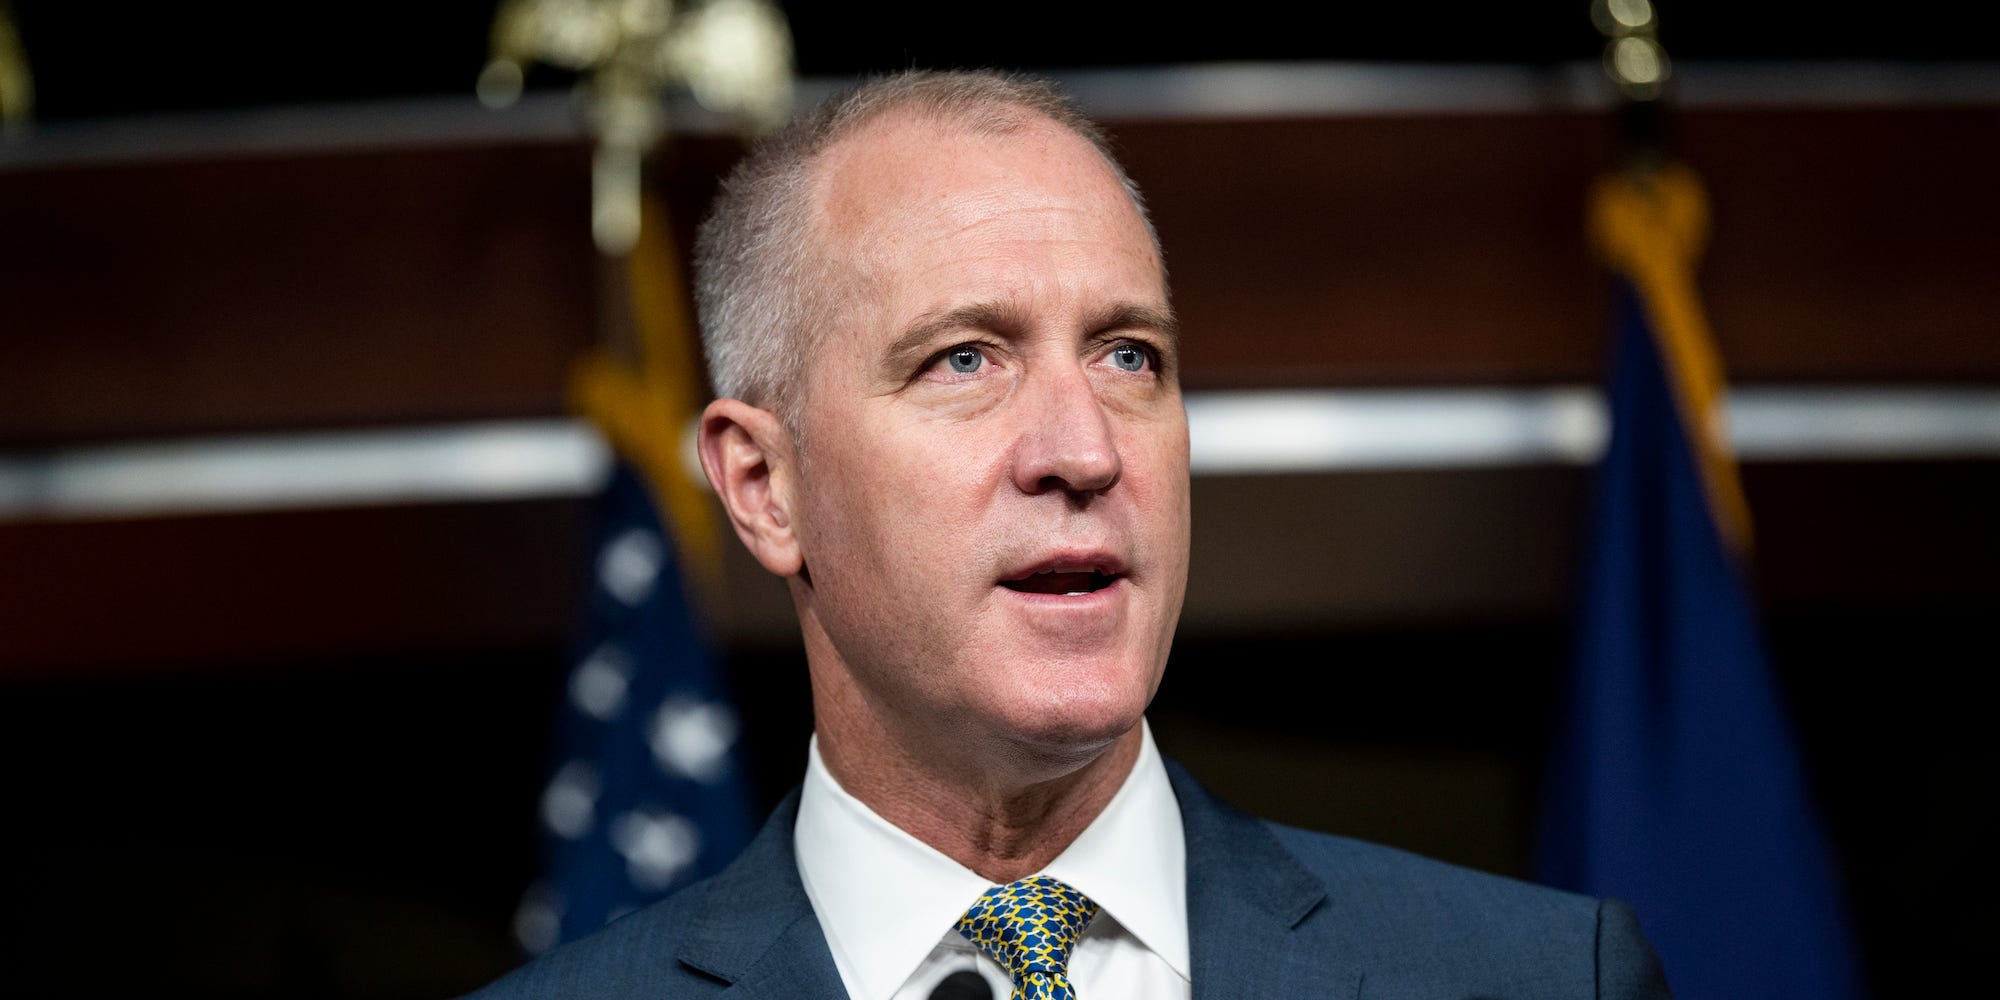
(901, 161)
(907, 201)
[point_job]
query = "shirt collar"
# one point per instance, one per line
(885, 898)
(1132, 859)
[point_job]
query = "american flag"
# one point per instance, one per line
(646, 793)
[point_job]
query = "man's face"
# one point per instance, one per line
(993, 506)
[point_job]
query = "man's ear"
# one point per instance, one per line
(747, 455)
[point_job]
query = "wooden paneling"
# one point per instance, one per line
(1853, 244)
(1365, 250)
(287, 291)
(368, 287)
(1847, 245)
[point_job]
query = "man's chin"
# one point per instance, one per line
(1074, 732)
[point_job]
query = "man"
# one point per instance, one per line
(951, 421)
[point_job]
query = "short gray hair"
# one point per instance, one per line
(762, 289)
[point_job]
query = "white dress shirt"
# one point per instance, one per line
(889, 903)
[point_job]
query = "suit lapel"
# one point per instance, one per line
(796, 964)
(1247, 896)
(754, 927)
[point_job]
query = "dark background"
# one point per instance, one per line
(136, 58)
(298, 753)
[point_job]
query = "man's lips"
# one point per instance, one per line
(1067, 574)
(1060, 583)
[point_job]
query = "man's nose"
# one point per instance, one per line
(1066, 441)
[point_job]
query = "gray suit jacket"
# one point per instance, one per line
(1273, 912)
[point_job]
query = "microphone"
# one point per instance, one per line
(964, 984)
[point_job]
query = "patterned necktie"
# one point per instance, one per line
(1029, 927)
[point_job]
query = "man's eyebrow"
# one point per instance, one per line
(995, 316)
(1136, 317)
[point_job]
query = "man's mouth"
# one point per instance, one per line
(1066, 582)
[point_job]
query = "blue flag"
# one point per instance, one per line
(1676, 786)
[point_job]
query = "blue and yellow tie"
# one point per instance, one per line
(1029, 927)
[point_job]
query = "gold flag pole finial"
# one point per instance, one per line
(17, 86)
(734, 55)
(1633, 57)
(1638, 68)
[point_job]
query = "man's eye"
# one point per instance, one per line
(964, 360)
(1129, 357)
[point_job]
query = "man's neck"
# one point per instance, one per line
(1003, 821)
